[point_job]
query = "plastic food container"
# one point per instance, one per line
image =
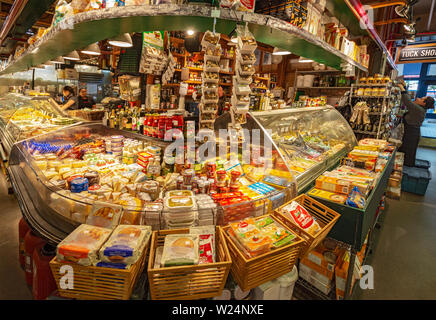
(182, 203)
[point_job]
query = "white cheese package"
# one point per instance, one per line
(125, 245)
(82, 245)
(105, 215)
(180, 250)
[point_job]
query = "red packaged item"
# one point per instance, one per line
(43, 282)
(301, 217)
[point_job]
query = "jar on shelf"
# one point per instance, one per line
(370, 80)
(368, 92)
(362, 80)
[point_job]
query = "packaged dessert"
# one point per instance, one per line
(301, 217)
(180, 249)
(105, 215)
(82, 245)
(125, 245)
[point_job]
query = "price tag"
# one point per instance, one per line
(215, 13)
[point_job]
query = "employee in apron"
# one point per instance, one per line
(413, 120)
(69, 101)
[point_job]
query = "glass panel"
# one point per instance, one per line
(431, 90)
(431, 71)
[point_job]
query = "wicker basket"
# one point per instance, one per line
(325, 217)
(251, 273)
(98, 283)
(188, 282)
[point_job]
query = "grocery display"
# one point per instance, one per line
(216, 166)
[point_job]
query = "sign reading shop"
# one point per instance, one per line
(417, 53)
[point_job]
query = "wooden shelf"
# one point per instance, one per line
(193, 82)
(226, 84)
(171, 85)
(328, 88)
(178, 54)
(195, 69)
(177, 40)
(227, 72)
(261, 78)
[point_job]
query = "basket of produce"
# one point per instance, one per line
(96, 263)
(262, 249)
(191, 263)
(310, 219)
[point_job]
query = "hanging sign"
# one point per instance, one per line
(154, 39)
(417, 53)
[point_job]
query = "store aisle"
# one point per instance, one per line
(404, 258)
(12, 283)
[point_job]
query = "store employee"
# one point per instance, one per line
(84, 100)
(70, 101)
(413, 120)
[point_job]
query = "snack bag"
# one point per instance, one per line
(125, 245)
(356, 199)
(301, 218)
(81, 246)
(180, 249)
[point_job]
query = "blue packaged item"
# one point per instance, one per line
(356, 199)
(113, 265)
(79, 184)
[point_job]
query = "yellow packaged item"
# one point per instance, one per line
(335, 197)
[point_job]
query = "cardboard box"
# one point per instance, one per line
(314, 282)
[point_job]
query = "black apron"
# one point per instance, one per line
(412, 135)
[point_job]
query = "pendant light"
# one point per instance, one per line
(93, 50)
(73, 55)
(58, 60)
(122, 40)
(280, 52)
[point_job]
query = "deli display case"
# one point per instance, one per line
(308, 140)
(89, 173)
(22, 117)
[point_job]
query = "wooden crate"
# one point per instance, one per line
(98, 283)
(251, 273)
(325, 217)
(188, 282)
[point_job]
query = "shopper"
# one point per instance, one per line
(70, 101)
(84, 100)
(413, 120)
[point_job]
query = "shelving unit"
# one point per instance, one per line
(389, 103)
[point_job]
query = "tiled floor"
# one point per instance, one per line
(404, 259)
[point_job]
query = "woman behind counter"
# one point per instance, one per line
(70, 101)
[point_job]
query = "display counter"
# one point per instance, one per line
(45, 168)
(23, 117)
(309, 140)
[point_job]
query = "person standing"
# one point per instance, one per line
(413, 119)
(70, 101)
(85, 101)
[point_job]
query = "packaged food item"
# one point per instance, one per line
(335, 197)
(180, 249)
(250, 237)
(125, 245)
(301, 218)
(276, 232)
(105, 215)
(82, 245)
(356, 199)
(333, 185)
(206, 243)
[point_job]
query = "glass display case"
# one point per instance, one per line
(49, 173)
(308, 141)
(22, 117)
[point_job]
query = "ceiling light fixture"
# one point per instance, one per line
(280, 52)
(305, 60)
(122, 40)
(190, 32)
(73, 55)
(58, 60)
(93, 50)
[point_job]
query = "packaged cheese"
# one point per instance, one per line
(180, 249)
(105, 215)
(333, 185)
(335, 197)
(125, 245)
(299, 215)
(82, 245)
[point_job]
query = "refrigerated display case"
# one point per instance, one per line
(22, 117)
(309, 140)
(42, 169)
